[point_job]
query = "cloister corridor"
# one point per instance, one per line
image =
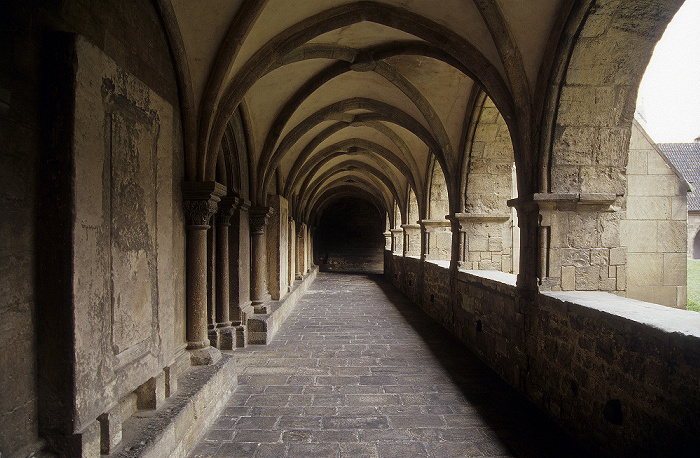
(358, 370)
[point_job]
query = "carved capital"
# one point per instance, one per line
(201, 201)
(227, 207)
(258, 219)
(198, 212)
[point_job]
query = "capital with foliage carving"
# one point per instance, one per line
(200, 202)
(257, 218)
(227, 207)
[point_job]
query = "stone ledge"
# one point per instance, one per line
(263, 327)
(666, 319)
(175, 428)
(487, 275)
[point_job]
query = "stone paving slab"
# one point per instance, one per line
(359, 371)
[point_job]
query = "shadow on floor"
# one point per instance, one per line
(526, 431)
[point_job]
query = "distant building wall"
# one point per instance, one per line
(694, 234)
(654, 231)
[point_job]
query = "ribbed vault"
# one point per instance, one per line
(299, 99)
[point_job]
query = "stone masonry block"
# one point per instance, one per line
(110, 430)
(644, 269)
(679, 208)
(583, 230)
(587, 278)
(621, 278)
(664, 295)
(638, 236)
(604, 179)
(495, 244)
(478, 244)
(672, 236)
(600, 256)
(675, 269)
(609, 227)
(649, 207)
(637, 161)
(566, 179)
(618, 256)
(656, 165)
(568, 278)
(652, 185)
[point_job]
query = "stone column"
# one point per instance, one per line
(437, 239)
(387, 240)
(258, 256)
(239, 271)
(411, 244)
(397, 241)
(200, 203)
(225, 333)
(301, 250)
(277, 256)
(481, 245)
(292, 259)
(528, 216)
(310, 247)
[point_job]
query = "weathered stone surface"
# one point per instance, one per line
(351, 374)
(581, 345)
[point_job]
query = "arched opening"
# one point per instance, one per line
(350, 237)
(696, 246)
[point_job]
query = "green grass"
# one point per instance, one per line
(694, 284)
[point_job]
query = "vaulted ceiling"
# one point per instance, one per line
(340, 95)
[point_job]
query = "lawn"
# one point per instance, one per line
(694, 284)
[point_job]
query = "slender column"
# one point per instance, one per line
(239, 272)
(292, 253)
(301, 250)
(310, 247)
(226, 334)
(258, 256)
(387, 240)
(397, 241)
(200, 203)
(411, 244)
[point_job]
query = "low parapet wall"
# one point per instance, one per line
(263, 327)
(621, 375)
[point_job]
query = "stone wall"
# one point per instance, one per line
(654, 231)
(30, 254)
(694, 235)
(617, 373)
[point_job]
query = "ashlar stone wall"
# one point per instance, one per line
(654, 230)
(617, 373)
(125, 315)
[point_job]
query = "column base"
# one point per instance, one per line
(241, 336)
(213, 335)
(204, 356)
(260, 306)
(227, 338)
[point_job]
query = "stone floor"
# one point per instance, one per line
(359, 371)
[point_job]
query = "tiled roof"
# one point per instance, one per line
(686, 158)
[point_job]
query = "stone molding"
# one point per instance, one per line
(227, 207)
(601, 202)
(258, 218)
(462, 219)
(200, 202)
(430, 225)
